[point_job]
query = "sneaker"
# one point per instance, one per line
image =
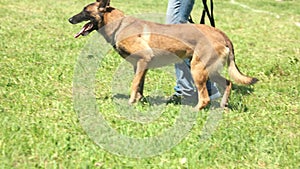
(214, 92)
(175, 99)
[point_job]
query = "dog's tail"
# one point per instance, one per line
(233, 70)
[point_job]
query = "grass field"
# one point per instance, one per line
(39, 127)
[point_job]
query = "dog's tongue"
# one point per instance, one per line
(83, 29)
(79, 33)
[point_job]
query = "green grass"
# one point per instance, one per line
(40, 129)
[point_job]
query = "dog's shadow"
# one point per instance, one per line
(235, 101)
(156, 100)
(243, 90)
(147, 110)
(236, 98)
(147, 100)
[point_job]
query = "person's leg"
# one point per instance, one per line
(184, 80)
(178, 12)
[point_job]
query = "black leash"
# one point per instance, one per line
(204, 12)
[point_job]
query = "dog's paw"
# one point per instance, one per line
(201, 105)
(131, 101)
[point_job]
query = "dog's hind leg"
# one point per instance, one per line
(138, 81)
(225, 84)
(200, 76)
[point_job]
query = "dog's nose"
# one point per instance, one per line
(71, 20)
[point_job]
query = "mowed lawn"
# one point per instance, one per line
(39, 127)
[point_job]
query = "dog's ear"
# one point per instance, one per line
(103, 5)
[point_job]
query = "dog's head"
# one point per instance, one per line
(94, 13)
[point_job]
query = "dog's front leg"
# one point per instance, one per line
(138, 81)
(140, 92)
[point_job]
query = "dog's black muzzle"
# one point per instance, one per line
(71, 20)
(78, 18)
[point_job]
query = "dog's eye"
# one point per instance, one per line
(86, 13)
(85, 10)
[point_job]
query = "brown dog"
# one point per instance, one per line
(147, 44)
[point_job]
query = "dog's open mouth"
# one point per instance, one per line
(85, 30)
